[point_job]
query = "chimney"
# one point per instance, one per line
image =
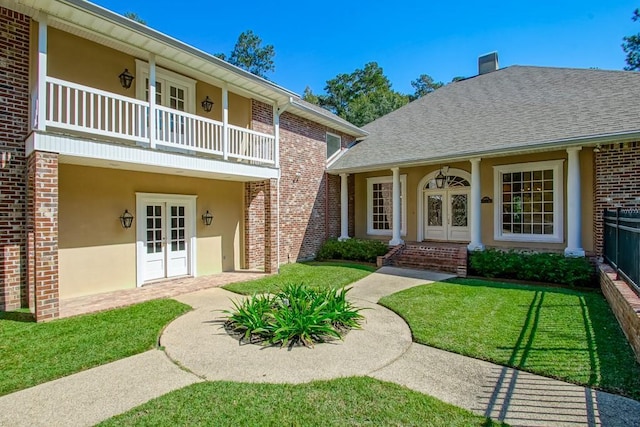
(488, 63)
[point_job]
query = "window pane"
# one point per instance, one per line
(527, 195)
(333, 144)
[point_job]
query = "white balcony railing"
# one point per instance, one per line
(84, 109)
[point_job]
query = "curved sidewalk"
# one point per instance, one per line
(200, 349)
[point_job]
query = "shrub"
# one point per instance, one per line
(539, 267)
(352, 250)
(296, 315)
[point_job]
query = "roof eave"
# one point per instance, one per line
(337, 123)
(588, 140)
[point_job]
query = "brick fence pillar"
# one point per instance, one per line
(42, 235)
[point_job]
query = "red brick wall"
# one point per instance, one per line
(625, 305)
(42, 234)
(14, 119)
(306, 219)
(616, 184)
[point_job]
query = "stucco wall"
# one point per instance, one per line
(415, 174)
(97, 254)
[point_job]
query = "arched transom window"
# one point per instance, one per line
(451, 182)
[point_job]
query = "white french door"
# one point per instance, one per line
(446, 214)
(165, 237)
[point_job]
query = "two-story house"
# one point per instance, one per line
(130, 157)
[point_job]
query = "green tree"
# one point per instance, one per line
(310, 97)
(250, 55)
(631, 47)
(424, 85)
(361, 96)
(458, 79)
(135, 17)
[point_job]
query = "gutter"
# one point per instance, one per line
(558, 144)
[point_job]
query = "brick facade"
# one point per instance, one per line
(305, 222)
(14, 124)
(616, 183)
(42, 234)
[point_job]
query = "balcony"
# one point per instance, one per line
(82, 110)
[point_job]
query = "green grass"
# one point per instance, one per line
(560, 333)
(357, 401)
(318, 275)
(33, 353)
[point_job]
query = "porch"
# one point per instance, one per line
(166, 289)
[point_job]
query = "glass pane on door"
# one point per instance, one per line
(434, 210)
(459, 210)
(154, 229)
(177, 229)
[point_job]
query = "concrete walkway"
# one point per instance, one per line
(382, 349)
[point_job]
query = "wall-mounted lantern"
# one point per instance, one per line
(207, 104)
(207, 217)
(126, 219)
(126, 78)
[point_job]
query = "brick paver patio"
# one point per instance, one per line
(166, 289)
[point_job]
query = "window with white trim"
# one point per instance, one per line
(529, 202)
(173, 90)
(380, 205)
(334, 143)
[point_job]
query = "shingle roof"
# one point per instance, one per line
(512, 108)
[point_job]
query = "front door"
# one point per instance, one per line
(446, 214)
(165, 240)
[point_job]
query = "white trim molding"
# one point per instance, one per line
(403, 208)
(556, 166)
(167, 77)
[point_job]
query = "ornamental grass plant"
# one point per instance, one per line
(297, 315)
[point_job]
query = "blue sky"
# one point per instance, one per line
(315, 41)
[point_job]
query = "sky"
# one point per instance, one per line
(317, 40)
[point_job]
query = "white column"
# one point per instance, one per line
(344, 206)
(41, 112)
(395, 236)
(276, 135)
(152, 100)
(474, 211)
(225, 122)
(574, 206)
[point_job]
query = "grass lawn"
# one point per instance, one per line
(33, 353)
(560, 333)
(356, 401)
(315, 274)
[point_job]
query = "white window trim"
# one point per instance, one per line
(142, 73)
(403, 201)
(558, 201)
(338, 151)
(141, 200)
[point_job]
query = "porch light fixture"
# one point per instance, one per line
(440, 179)
(207, 104)
(207, 218)
(126, 219)
(126, 78)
